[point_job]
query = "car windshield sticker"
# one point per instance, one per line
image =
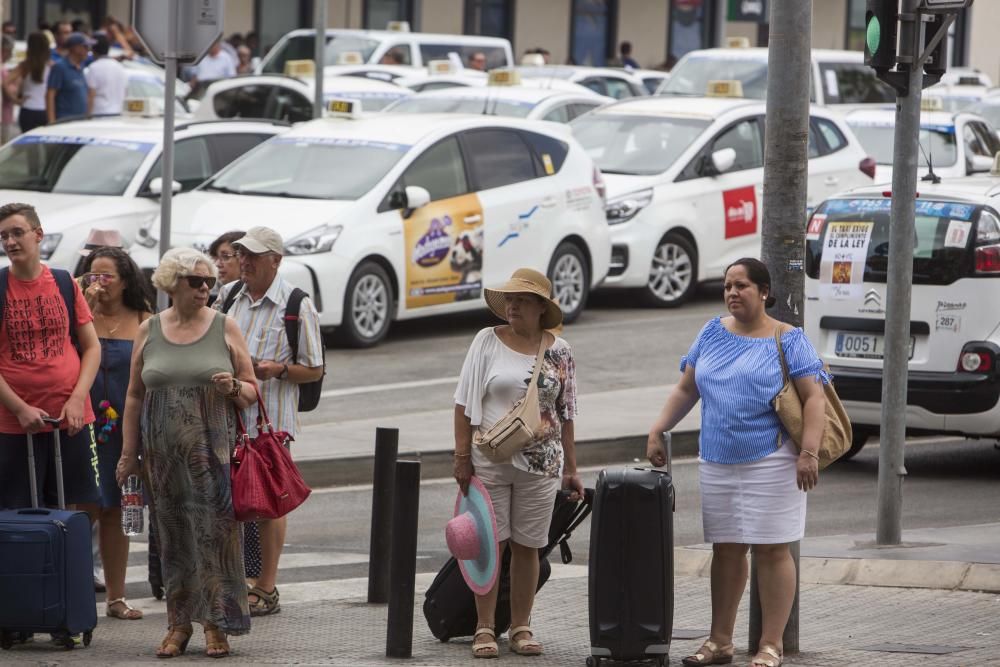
(740, 206)
(138, 146)
(844, 252)
(948, 323)
(957, 234)
(444, 247)
(832, 87)
(343, 142)
(579, 199)
(815, 228)
(935, 209)
(547, 161)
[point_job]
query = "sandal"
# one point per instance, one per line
(488, 649)
(216, 644)
(129, 614)
(175, 643)
(710, 653)
(266, 604)
(529, 646)
(773, 658)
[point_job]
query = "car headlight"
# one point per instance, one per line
(624, 208)
(145, 236)
(315, 240)
(48, 245)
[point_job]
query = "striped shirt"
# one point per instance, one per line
(263, 325)
(738, 377)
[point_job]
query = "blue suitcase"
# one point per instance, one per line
(46, 568)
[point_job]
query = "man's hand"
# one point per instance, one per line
(72, 413)
(30, 418)
(265, 369)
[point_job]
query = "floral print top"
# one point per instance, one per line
(494, 377)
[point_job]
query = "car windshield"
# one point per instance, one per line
(691, 76)
(70, 165)
(637, 145)
(943, 234)
(303, 47)
(311, 168)
(958, 102)
(937, 142)
(482, 105)
(989, 110)
(370, 100)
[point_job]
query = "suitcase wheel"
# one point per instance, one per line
(593, 661)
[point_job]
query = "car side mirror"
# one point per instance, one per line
(722, 161)
(979, 164)
(156, 187)
(416, 197)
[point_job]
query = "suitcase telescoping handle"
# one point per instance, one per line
(32, 480)
(668, 450)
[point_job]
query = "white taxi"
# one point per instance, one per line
(533, 103)
(387, 220)
(609, 81)
(685, 183)
(105, 173)
(953, 382)
(955, 97)
(953, 144)
(289, 98)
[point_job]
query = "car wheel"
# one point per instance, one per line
(570, 280)
(367, 307)
(673, 273)
(859, 436)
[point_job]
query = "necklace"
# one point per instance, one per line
(118, 323)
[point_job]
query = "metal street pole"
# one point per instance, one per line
(891, 469)
(167, 175)
(786, 144)
(320, 56)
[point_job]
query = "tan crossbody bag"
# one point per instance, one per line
(517, 428)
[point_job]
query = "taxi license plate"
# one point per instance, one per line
(864, 346)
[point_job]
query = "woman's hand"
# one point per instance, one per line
(127, 465)
(572, 482)
(223, 383)
(464, 472)
(93, 294)
(806, 471)
(655, 450)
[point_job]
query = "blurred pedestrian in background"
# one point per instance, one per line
(626, 56)
(28, 83)
(67, 92)
(107, 81)
(217, 64)
(7, 127)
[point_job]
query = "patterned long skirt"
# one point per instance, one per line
(186, 448)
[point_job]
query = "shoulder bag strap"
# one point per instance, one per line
(292, 309)
(538, 367)
(64, 281)
(231, 296)
(4, 273)
(781, 354)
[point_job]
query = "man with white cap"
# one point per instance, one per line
(259, 308)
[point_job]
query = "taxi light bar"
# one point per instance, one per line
(931, 103)
(351, 58)
(300, 68)
(343, 108)
(737, 42)
(504, 77)
(398, 26)
(440, 67)
(140, 106)
(724, 89)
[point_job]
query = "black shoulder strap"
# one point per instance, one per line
(4, 274)
(64, 281)
(292, 309)
(231, 296)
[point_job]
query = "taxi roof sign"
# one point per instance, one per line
(300, 68)
(340, 107)
(398, 26)
(931, 103)
(139, 106)
(737, 42)
(350, 58)
(504, 77)
(441, 67)
(730, 88)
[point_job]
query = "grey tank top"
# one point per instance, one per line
(167, 364)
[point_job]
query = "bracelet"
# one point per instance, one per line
(815, 456)
(284, 372)
(237, 388)
(463, 456)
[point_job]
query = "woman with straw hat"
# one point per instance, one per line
(496, 374)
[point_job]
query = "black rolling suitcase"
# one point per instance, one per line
(449, 605)
(46, 567)
(631, 574)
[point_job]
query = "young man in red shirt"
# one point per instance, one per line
(41, 373)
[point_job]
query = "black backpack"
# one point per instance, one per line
(65, 283)
(309, 392)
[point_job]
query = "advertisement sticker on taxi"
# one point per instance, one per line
(740, 206)
(444, 244)
(841, 273)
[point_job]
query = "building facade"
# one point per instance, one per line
(579, 31)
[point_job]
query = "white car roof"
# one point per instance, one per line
(569, 71)
(887, 116)
(523, 94)
(392, 34)
(147, 130)
(976, 189)
(708, 108)
(756, 53)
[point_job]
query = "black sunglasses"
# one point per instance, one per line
(197, 281)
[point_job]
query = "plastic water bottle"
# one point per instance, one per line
(132, 506)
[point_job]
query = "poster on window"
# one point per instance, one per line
(845, 251)
(444, 252)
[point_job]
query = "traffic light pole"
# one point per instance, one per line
(319, 57)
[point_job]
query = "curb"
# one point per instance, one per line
(345, 470)
(926, 574)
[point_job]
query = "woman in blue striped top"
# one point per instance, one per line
(752, 477)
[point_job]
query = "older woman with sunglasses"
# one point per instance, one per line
(121, 299)
(190, 367)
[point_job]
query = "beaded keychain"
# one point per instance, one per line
(108, 421)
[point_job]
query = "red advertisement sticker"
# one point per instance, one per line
(741, 211)
(815, 228)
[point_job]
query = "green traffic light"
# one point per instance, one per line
(874, 36)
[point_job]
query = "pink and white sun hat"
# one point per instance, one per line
(472, 538)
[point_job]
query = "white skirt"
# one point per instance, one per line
(753, 503)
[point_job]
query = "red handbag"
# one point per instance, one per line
(265, 482)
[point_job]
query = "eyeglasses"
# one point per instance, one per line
(16, 233)
(105, 278)
(242, 253)
(197, 281)
(225, 256)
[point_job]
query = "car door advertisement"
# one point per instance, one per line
(444, 246)
(842, 270)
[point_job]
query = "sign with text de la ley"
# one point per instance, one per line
(754, 11)
(199, 24)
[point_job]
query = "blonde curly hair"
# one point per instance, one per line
(177, 263)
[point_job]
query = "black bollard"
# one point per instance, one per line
(403, 560)
(386, 448)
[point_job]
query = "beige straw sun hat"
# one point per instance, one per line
(526, 281)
